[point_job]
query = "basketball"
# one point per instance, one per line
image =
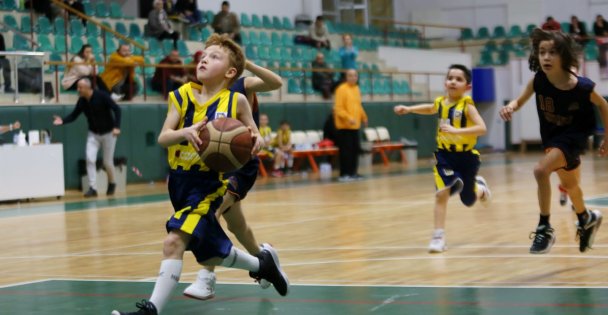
(226, 146)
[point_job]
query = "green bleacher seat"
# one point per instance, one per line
(287, 25)
(276, 23)
(507, 45)
(9, 5)
(565, 26)
(44, 43)
(115, 11)
(101, 10)
(205, 33)
(293, 87)
(135, 30)
(19, 43)
(59, 24)
(250, 52)
(94, 42)
(210, 15)
(530, 28)
(254, 39)
(287, 39)
(266, 22)
(194, 33)
(502, 57)
(55, 57)
(10, 21)
(75, 44)
(365, 86)
(483, 33)
(88, 8)
(182, 48)
(256, 21)
(77, 28)
(515, 31)
(60, 44)
(466, 33)
(265, 39)
(121, 28)
(591, 51)
(26, 24)
(296, 53)
(490, 45)
(44, 26)
(486, 58)
(264, 53)
(110, 46)
(149, 71)
(92, 29)
(245, 21)
(499, 32)
(154, 47)
(285, 53)
(245, 39)
(167, 46)
(276, 39)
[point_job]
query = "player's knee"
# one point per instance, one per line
(173, 245)
(541, 172)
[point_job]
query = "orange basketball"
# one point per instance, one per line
(226, 146)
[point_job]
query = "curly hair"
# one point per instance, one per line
(565, 46)
(235, 52)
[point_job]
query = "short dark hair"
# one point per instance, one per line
(320, 18)
(464, 69)
(565, 46)
(225, 3)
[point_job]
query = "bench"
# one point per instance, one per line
(381, 144)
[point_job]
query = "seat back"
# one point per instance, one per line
(383, 134)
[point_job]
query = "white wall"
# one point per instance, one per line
(281, 8)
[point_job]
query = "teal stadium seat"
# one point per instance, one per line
(55, 57)
(499, 32)
(88, 8)
(264, 53)
(275, 54)
(256, 21)
(75, 44)
(486, 58)
(101, 10)
(591, 51)
(276, 23)
(110, 46)
(266, 22)
(483, 33)
(20, 43)
(287, 25)
(293, 87)
(115, 11)
(502, 57)
(515, 31)
(265, 39)
(205, 33)
(530, 28)
(182, 48)
(565, 26)
(76, 27)
(121, 28)
(10, 21)
(60, 44)
(135, 30)
(92, 30)
(44, 26)
(167, 46)
(95, 46)
(507, 45)
(276, 39)
(245, 39)
(245, 21)
(285, 54)
(59, 24)
(254, 38)
(250, 52)
(26, 24)
(44, 43)
(296, 53)
(287, 39)
(490, 45)
(9, 5)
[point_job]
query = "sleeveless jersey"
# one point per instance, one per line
(454, 114)
(239, 87)
(183, 156)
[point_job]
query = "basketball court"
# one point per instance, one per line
(348, 248)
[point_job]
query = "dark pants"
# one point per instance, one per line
(349, 147)
(174, 36)
(128, 88)
(5, 64)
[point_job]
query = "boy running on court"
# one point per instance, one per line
(195, 190)
(239, 183)
(564, 102)
(457, 162)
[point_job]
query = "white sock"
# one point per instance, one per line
(439, 232)
(239, 259)
(168, 277)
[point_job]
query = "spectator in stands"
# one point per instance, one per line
(322, 81)
(166, 80)
(187, 11)
(348, 55)
(43, 7)
(86, 69)
(119, 74)
(551, 24)
(282, 146)
(191, 70)
(600, 29)
(349, 115)
(5, 64)
(577, 31)
(226, 22)
(103, 117)
(10, 127)
(159, 25)
(78, 6)
(319, 34)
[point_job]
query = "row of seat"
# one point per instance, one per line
(367, 87)
(515, 31)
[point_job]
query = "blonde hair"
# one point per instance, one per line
(235, 53)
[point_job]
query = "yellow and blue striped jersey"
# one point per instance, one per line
(224, 104)
(454, 114)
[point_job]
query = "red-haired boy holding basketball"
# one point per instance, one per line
(195, 190)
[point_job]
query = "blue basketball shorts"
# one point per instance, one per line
(456, 171)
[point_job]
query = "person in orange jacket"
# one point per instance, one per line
(348, 117)
(119, 74)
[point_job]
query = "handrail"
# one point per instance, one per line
(94, 21)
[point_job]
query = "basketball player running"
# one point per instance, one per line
(239, 183)
(195, 190)
(457, 162)
(564, 102)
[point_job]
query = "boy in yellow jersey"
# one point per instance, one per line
(195, 190)
(457, 162)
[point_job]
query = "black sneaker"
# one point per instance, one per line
(543, 240)
(111, 189)
(145, 308)
(90, 193)
(271, 270)
(586, 233)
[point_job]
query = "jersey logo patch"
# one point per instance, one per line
(219, 115)
(448, 172)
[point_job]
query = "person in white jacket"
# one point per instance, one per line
(84, 67)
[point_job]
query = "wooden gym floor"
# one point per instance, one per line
(357, 247)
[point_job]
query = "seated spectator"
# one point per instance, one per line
(159, 25)
(5, 64)
(266, 133)
(191, 71)
(119, 75)
(319, 34)
(282, 146)
(577, 31)
(43, 7)
(169, 79)
(348, 55)
(551, 25)
(78, 6)
(187, 11)
(600, 30)
(322, 81)
(226, 22)
(86, 69)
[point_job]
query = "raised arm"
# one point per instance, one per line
(243, 113)
(422, 109)
(506, 113)
(264, 80)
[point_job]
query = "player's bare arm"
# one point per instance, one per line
(244, 115)
(170, 135)
(264, 80)
(506, 113)
(422, 109)
(478, 129)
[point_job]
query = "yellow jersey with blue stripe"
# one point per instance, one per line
(183, 156)
(454, 114)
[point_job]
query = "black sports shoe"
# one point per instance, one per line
(90, 193)
(586, 233)
(271, 270)
(111, 189)
(543, 240)
(144, 308)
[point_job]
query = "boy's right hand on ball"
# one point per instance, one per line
(192, 133)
